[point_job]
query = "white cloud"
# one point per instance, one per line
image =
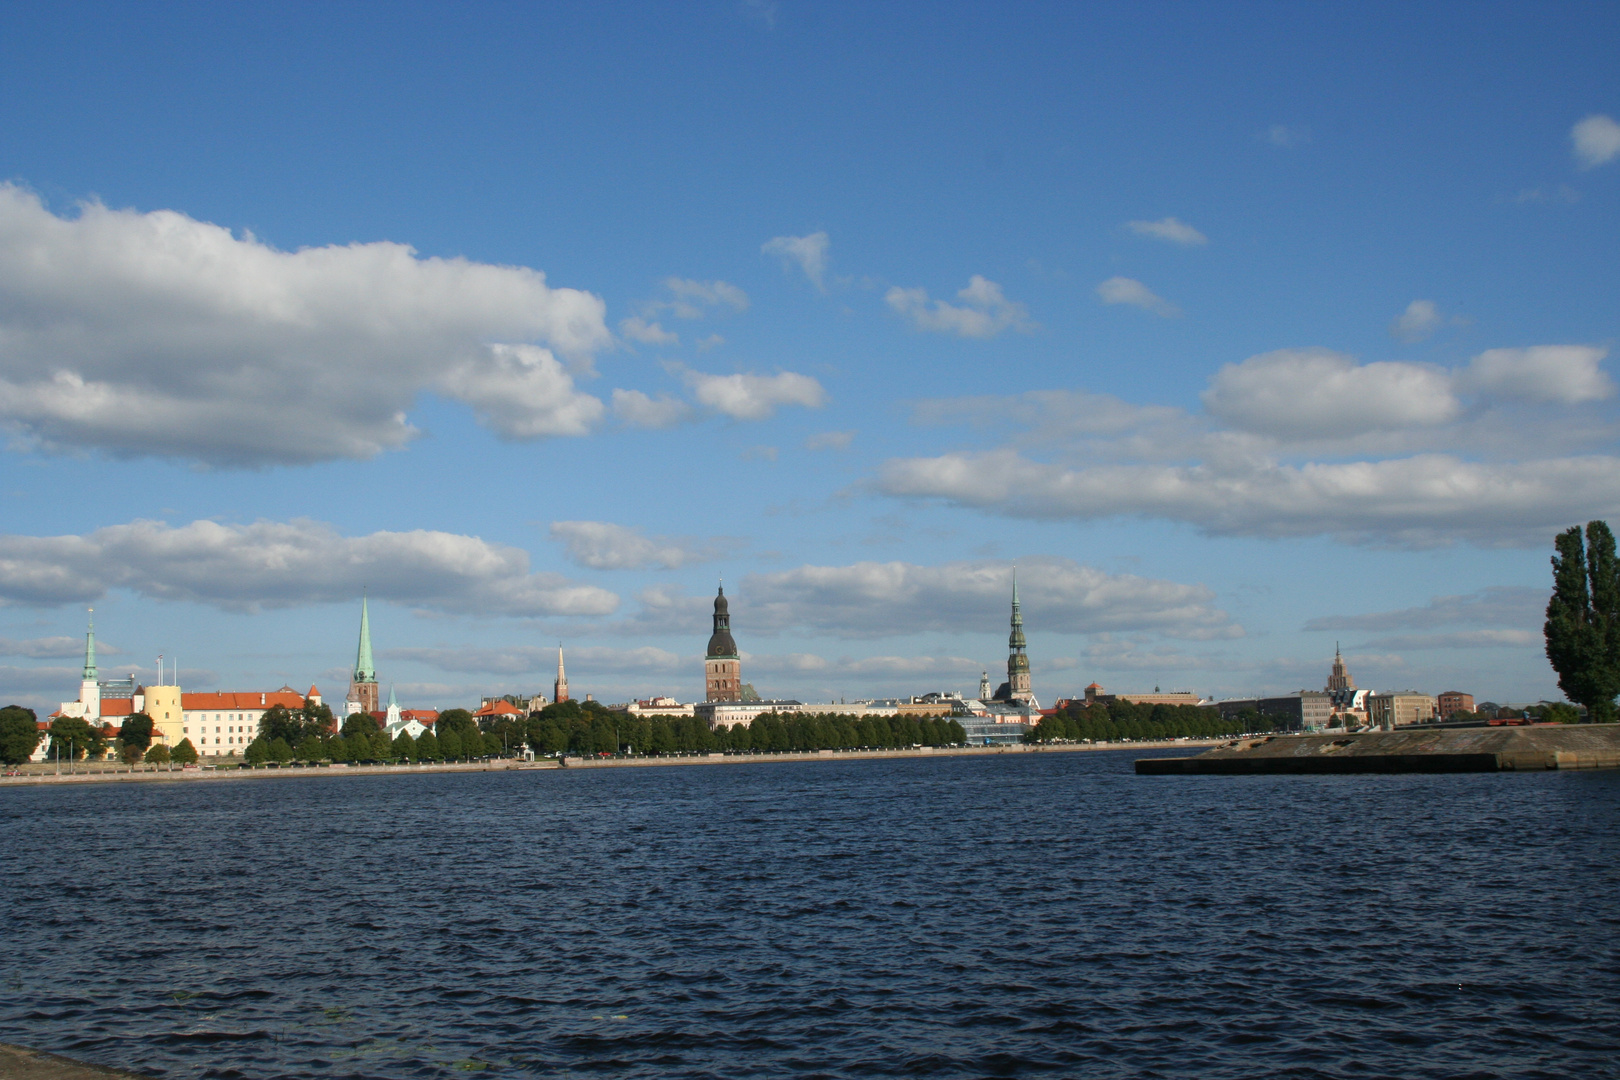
(871, 599)
(752, 397)
(1124, 290)
(983, 313)
(156, 334)
(1496, 606)
(1286, 136)
(830, 440)
(52, 648)
(639, 329)
(1420, 320)
(602, 545)
(1312, 393)
(808, 253)
(638, 410)
(1170, 229)
(1417, 501)
(1596, 140)
(1563, 374)
(693, 299)
(522, 392)
(287, 564)
(1462, 639)
(583, 661)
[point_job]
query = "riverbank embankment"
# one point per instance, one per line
(95, 772)
(21, 1063)
(1485, 749)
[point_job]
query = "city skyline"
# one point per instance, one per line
(1233, 348)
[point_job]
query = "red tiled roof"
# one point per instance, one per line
(246, 700)
(499, 708)
(117, 706)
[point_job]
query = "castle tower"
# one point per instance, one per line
(722, 668)
(1017, 663)
(363, 685)
(559, 689)
(984, 686)
(1340, 679)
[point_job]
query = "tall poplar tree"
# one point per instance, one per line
(1583, 619)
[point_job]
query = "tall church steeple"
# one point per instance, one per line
(1018, 685)
(363, 683)
(90, 649)
(559, 689)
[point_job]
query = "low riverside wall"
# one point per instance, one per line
(35, 774)
(1485, 749)
(21, 1063)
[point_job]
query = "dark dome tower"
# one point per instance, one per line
(722, 669)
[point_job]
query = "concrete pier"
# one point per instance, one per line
(21, 1063)
(1485, 749)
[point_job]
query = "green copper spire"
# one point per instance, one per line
(90, 648)
(1015, 640)
(364, 669)
(393, 703)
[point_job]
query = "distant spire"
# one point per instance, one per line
(559, 689)
(90, 648)
(365, 670)
(393, 702)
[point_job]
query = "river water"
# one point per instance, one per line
(1018, 915)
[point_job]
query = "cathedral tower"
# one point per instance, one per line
(1017, 663)
(559, 689)
(363, 684)
(722, 668)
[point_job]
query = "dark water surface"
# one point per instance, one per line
(1032, 914)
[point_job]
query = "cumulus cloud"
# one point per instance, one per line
(752, 397)
(1417, 501)
(693, 299)
(872, 599)
(637, 328)
(52, 648)
(983, 313)
(830, 440)
(1420, 320)
(1596, 140)
(287, 564)
(602, 545)
(156, 334)
(585, 661)
(522, 392)
(1562, 374)
(639, 410)
(1496, 606)
(1461, 639)
(808, 253)
(1124, 290)
(1170, 229)
(1299, 393)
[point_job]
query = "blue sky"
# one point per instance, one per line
(1241, 329)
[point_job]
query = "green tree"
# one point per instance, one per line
(427, 746)
(158, 755)
(257, 752)
(459, 721)
(136, 732)
(311, 749)
(185, 753)
(450, 745)
(279, 750)
(72, 738)
(19, 734)
(1583, 619)
(1558, 713)
(130, 755)
(359, 724)
(404, 747)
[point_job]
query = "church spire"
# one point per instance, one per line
(364, 669)
(90, 649)
(1018, 685)
(559, 689)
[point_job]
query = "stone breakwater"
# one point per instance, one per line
(1516, 749)
(35, 775)
(21, 1063)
